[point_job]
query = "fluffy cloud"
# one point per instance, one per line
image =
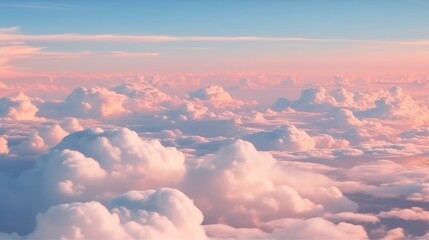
(327, 141)
(211, 93)
(45, 137)
(411, 214)
(127, 157)
(88, 102)
(393, 104)
(94, 164)
(315, 228)
(71, 125)
(4, 149)
(288, 228)
(254, 189)
(311, 99)
(18, 107)
(159, 214)
(144, 97)
(336, 146)
(153, 214)
(216, 97)
(398, 105)
(286, 138)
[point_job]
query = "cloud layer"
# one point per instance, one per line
(139, 158)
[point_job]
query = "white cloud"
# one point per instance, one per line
(90, 102)
(286, 138)
(18, 107)
(128, 158)
(248, 187)
(159, 214)
(144, 97)
(71, 125)
(153, 214)
(398, 105)
(315, 228)
(212, 93)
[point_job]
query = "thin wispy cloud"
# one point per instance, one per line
(10, 34)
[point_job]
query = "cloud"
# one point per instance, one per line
(4, 149)
(353, 217)
(411, 214)
(86, 103)
(212, 93)
(255, 189)
(71, 125)
(286, 138)
(311, 99)
(398, 105)
(153, 214)
(133, 54)
(327, 141)
(11, 33)
(331, 170)
(315, 228)
(423, 195)
(18, 107)
(46, 137)
(394, 234)
(88, 165)
(163, 214)
(216, 97)
(127, 157)
(145, 97)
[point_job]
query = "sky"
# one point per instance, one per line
(304, 38)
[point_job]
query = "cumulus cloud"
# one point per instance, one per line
(255, 190)
(45, 137)
(393, 104)
(153, 214)
(4, 149)
(287, 138)
(142, 96)
(32, 145)
(398, 105)
(327, 141)
(18, 107)
(216, 97)
(411, 214)
(84, 102)
(327, 149)
(90, 165)
(71, 125)
(159, 214)
(212, 93)
(311, 99)
(315, 228)
(127, 157)
(394, 234)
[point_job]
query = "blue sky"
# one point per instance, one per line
(371, 25)
(376, 19)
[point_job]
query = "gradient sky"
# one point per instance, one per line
(297, 37)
